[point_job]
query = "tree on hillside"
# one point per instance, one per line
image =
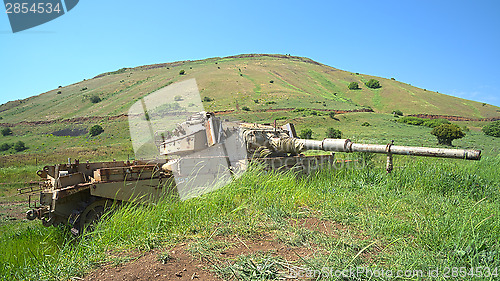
(19, 146)
(6, 131)
(95, 130)
(353, 86)
(306, 134)
(5, 146)
(95, 99)
(373, 84)
(397, 112)
(333, 133)
(492, 129)
(182, 72)
(446, 133)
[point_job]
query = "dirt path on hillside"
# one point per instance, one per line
(454, 118)
(124, 116)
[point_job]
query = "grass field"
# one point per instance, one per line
(427, 214)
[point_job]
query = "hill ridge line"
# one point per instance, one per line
(177, 63)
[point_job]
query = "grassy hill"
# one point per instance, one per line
(275, 81)
(54, 125)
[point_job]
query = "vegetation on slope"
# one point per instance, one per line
(427, 214)
(238, 81)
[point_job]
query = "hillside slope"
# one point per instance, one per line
(256, 81)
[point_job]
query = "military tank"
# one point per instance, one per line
(198, 156)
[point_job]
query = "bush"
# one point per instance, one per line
(432, 123)
(353, 86)
(59, 92)
(270, 102)
(366, 124)
(246, 108)
(178, 98)
(6, 131)
(95, 130)
(19, 146)
(412, 120)
(373, 84)
(256, 101)
(398, 112)
(207, 99)
(182, 72)
(492, 129)
(5, 146)
(306, 134)
(331, 114)
(95, 99)
(446, 133)
(333, 133)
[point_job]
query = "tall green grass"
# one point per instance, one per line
(428, 213)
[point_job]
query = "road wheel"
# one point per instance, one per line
(93, 213)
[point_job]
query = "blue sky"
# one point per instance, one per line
(448, 46)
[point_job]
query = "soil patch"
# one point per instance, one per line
(179, 266)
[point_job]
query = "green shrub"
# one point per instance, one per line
(5, 146)
(412, 120)
(207, 99)
(446, 133)
(398, 112)
(95, 130)
(432, 123)
(373, 84)
(366, 124)
(306, 134)
(178, 98)
(19, 146)
(182, 72)
(6, 131)
(95, 99)
(331, 114)
(256, 101)
(333, 133)
(353, 86)
(270, 102)
(245, 108)
(492, 129)
(272, 81)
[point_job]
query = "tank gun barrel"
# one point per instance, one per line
(346, 145)
(295, 145)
